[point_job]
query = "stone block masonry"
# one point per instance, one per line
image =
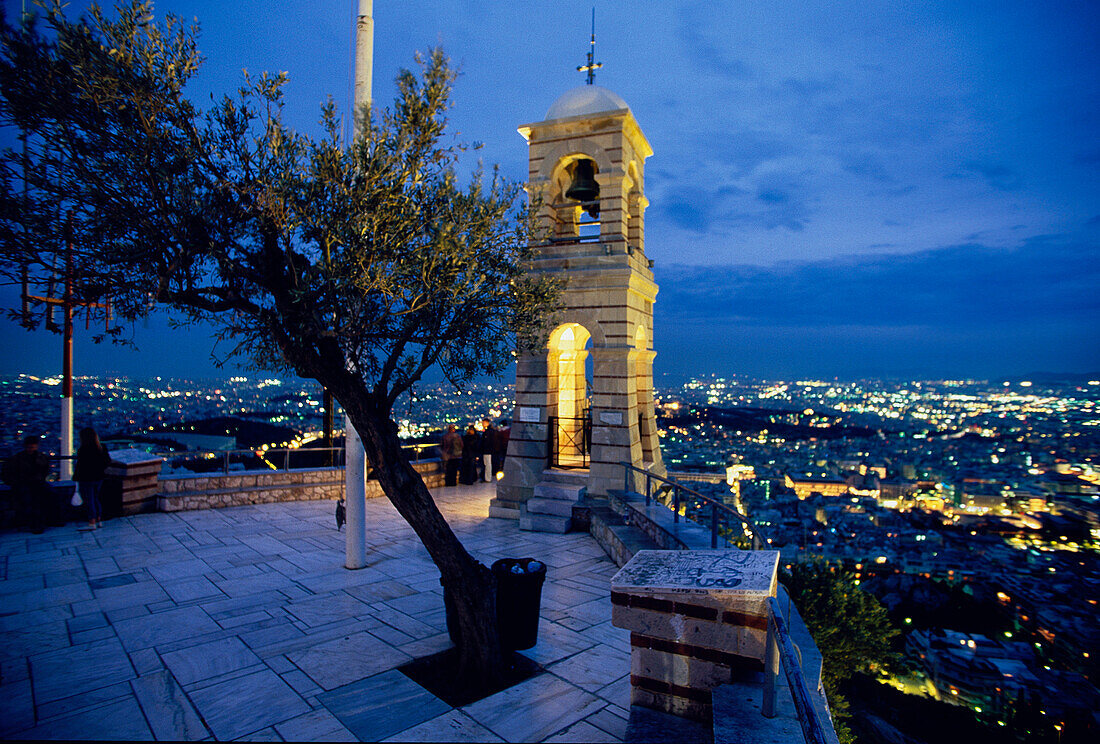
(216, 490)
(695, 616)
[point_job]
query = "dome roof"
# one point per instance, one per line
(586, 99)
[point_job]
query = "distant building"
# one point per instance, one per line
(806, 486)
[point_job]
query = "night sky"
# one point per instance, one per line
(837, 188)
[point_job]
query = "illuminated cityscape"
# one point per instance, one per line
(971, 509)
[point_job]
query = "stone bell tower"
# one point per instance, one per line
(584, 404)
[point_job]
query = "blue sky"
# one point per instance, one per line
(837, 188)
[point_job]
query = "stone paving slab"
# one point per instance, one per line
(241, 623)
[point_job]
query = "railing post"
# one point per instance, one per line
(286, 459)
(713, 526)
(626, 478)
(648, 486)
(771, 670)
(676, 504)
(225, 462)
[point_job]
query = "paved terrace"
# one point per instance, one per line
(242, 623)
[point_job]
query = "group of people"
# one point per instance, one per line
(476, 455)
(26, 472)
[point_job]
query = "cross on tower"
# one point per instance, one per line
(591, 67)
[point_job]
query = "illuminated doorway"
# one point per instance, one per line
(570, 429)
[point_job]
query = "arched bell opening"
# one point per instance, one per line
(575, 200)
(571, 373)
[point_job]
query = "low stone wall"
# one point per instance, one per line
(216, 490)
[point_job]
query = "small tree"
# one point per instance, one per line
(358, 266)
(850, 627)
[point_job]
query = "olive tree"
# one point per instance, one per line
(360, 265)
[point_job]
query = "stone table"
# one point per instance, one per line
(695, 616)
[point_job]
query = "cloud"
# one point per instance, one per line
(996, 175)
(1045, 279)
(964, 310)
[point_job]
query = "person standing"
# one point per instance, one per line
(471, 453)
(492, 449)
(503, 434)
(26, 473)
(92, 461)
(451, 454)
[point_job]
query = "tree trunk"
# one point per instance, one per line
(470, 589)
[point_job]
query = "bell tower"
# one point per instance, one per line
(584, 403)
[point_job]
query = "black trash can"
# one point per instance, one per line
(519, 593)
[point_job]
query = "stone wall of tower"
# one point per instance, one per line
(609, 290)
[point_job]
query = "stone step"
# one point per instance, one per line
(534, 522)
(559, 491)
(556, 507)
(503, 512)
(578, 477)
(617, 538)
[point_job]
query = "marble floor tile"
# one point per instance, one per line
(121, 720)
(191, 589)
(253, 584)
(381, 706)
(556, 643)
(583, 732)
(16, 707)
(80, 669)
(534, 709)
(317, 725)
(609, 721)
(594, 669)
(208, 660)
(245, 704)
(328, 608)
(343, 660)
(164, 627)
(618, 692)
(27, 640)
(452, 726)
(130, 595)
(170, 714)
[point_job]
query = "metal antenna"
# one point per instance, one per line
(591, 67)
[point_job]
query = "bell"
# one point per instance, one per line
(584, 187)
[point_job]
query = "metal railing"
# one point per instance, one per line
(780, 648)
(679, 490)
(275, 458)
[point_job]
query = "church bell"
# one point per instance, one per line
(584, 187)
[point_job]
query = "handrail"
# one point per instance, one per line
(780, 648)
(758, 537)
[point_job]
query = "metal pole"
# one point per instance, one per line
(626, 478)
(286, 459)
(771, 671)
(355, 470)
(67, 360)
(355, 499)
(648, 488)
(676, 504)
(713, 526)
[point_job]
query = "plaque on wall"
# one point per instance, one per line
(529, 415)
(612, 418)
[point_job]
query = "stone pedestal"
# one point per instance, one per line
(694, 617)
(135, 474)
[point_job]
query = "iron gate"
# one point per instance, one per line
(569, 441)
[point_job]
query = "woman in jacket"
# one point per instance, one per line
(92, 461)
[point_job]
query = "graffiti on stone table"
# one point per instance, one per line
(684, 570)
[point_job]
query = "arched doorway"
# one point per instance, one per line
(570, 424)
